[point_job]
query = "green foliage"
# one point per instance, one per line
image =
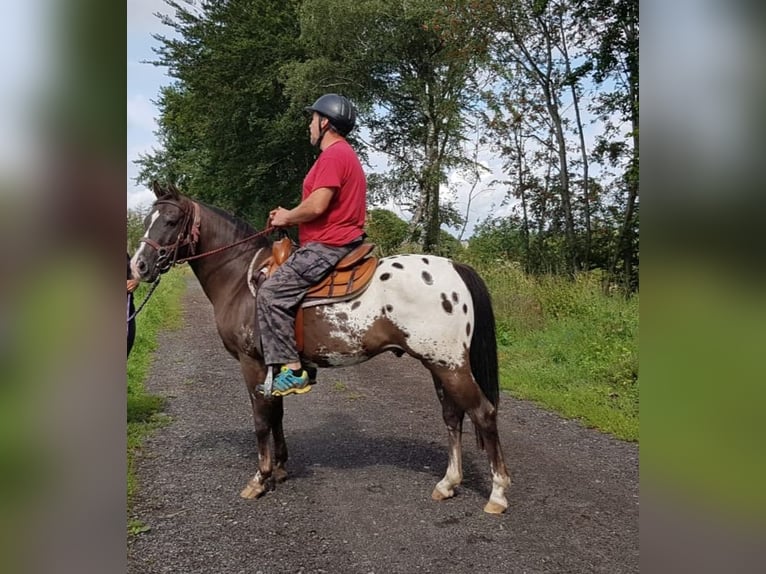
(229, 135)
(568, 346)
(449, 246)
(386, 230)
(163, 311)
(411, 71)
(136, 527)
(424, 75)
(390, 234)
(496, 239)
(135, 228)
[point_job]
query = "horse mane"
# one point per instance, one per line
(241, 227)
(240, 224)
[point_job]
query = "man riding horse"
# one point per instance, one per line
(330, 220)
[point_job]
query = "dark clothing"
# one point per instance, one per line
(280, 295)
(131, 310)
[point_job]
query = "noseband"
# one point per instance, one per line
(188, 235)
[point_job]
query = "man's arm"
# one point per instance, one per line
(309, 209)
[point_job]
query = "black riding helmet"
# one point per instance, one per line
(338, 110)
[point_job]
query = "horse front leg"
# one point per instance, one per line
(453, 418)
(280, 446)
(266, 412)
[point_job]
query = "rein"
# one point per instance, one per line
(225, 247)
(146, 299)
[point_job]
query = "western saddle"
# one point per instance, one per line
(349, 279)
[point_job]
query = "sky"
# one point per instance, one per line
(144, 83)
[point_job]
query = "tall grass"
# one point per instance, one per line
(163, 311)
(568, 346)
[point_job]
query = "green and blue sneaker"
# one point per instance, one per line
(288, 383)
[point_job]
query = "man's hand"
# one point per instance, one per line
(132, 284)
(279, 217)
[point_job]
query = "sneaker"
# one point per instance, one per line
(286, 383)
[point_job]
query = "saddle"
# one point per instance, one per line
(350, 277)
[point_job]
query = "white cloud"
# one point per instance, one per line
(138, 195)
(140, 198)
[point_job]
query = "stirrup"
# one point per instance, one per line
(267, 385)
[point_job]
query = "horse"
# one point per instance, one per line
(436, 310)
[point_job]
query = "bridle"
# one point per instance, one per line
(187, 235)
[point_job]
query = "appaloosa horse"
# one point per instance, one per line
(431, 308)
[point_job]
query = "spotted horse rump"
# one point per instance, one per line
(403, 288)
(434, 309)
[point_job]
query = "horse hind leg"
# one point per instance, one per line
(484, 418)
(453, 418)
(460, 386)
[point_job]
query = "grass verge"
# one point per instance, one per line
(163, 311)
(569, 347)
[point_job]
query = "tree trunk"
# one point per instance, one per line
(566, 199)
(583, 148)
(431, 179)
(518, 144)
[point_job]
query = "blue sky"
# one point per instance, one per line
(144, 82)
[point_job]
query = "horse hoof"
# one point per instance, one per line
(494, 508)
(441, 495)
(253, 490)
(280, 474)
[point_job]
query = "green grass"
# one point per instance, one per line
(568, 347)
(163, 311)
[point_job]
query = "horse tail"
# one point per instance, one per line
(483, 353)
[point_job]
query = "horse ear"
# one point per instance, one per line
(172, 190)
(157, 189)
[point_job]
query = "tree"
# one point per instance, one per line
(386, 230)
(412, 66)
(615, 57)
(497, 239)
(228, 133)
(531, 48)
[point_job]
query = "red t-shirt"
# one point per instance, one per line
(338, 168)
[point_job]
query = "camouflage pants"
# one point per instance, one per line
(279, 297)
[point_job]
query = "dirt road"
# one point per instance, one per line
(367, 446)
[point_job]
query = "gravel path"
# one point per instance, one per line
(367, 446)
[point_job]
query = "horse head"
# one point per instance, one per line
(171, 232)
